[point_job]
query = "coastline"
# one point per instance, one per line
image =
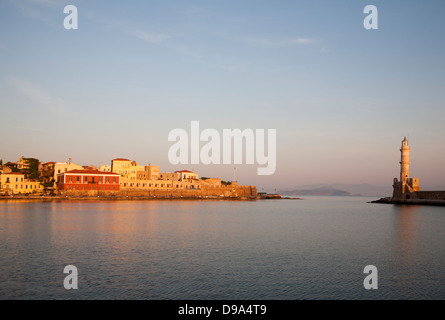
(126, 198)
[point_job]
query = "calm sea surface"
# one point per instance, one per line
(315, 248)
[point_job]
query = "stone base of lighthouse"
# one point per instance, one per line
(405, 190)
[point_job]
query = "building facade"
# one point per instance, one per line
(105, 168)
(61, 167)
(15, 183)
(47, 173)
(88, 180)
(126, 168)
(185, 175)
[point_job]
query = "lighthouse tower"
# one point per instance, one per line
(404, 161)
(406, 186)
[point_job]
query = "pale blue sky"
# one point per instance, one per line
(341, 97)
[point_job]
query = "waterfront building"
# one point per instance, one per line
(186, 175)
(22, 164)
(15, 183)
(150, 173)
(105, 168)
(126, 168)
(61, 167)
(146, 184)
(172, 176)
(47, 172)
(88, 180)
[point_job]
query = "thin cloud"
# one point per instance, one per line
(133, 31)
(38, 96)
(302, 40)
(152, 38)
(284, 42)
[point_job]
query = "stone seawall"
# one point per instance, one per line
(428, 195)
(427, 202)
(223, 192)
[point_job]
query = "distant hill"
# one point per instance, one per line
(340, 190)
(316, 192)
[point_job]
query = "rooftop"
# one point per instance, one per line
(78, 171)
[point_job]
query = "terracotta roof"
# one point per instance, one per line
(120, 159)
(91, 172)
(185, 171)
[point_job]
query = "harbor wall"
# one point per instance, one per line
(223, 191)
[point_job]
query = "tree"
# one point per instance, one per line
(33, 168)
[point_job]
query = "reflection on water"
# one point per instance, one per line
(407, 233)
(311, 249)
(406, 244)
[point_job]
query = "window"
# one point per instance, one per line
(78, 179)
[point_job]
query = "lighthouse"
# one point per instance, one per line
(406, 185)
(404, 161)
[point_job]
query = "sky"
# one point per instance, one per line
(340, 97)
